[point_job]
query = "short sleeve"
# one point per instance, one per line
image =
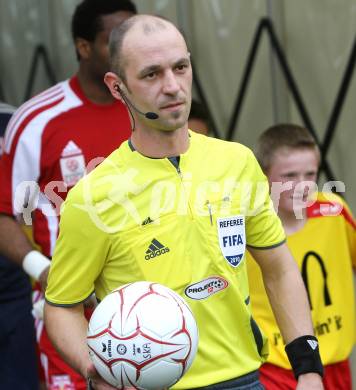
(263, 227)
(351, 231)
(79, 255)
(20, 164)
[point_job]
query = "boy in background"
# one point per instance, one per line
(199, 120)
(321, 234)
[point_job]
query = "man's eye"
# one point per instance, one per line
(182, 67)
(150, 75)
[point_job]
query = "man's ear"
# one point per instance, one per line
(114, 84)
(83, 48)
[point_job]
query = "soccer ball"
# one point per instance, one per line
(142, 335)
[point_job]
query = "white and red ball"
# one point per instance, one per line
(142, 335)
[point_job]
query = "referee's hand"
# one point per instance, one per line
(96, 382)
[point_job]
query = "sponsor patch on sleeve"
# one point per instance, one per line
(232, 238)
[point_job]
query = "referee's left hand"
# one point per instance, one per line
(310, 381)
(97, 382)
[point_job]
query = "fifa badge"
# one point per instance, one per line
(232, 238)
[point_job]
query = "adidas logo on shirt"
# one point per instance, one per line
(147, 221)
(155, 249)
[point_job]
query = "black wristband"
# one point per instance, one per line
(303, 354)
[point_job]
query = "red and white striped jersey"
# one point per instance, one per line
(48, 144)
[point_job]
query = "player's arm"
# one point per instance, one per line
(288, 298)
(18, 165)
(15, 245)
(73, 272)
(67, 329)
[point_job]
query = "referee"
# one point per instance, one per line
(187, 192)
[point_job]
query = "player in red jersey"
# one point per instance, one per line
(321, 234)
(50, 143)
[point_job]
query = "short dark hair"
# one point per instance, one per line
(115, 45)
(150, 23)
(284, 135)
(86, 21)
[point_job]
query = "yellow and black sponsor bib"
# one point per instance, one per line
(325, 250)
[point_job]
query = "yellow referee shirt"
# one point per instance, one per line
(137, 218)
(325, 250)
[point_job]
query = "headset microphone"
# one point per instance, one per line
(148, 115)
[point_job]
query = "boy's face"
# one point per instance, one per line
(198, 125)
(296, 170)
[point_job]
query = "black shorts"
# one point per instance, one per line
(18, 367)
(245, 382)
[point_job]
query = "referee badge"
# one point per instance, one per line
(232, 238)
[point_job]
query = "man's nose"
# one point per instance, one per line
(170, 83)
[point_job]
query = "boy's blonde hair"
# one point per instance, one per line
(284, 135)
